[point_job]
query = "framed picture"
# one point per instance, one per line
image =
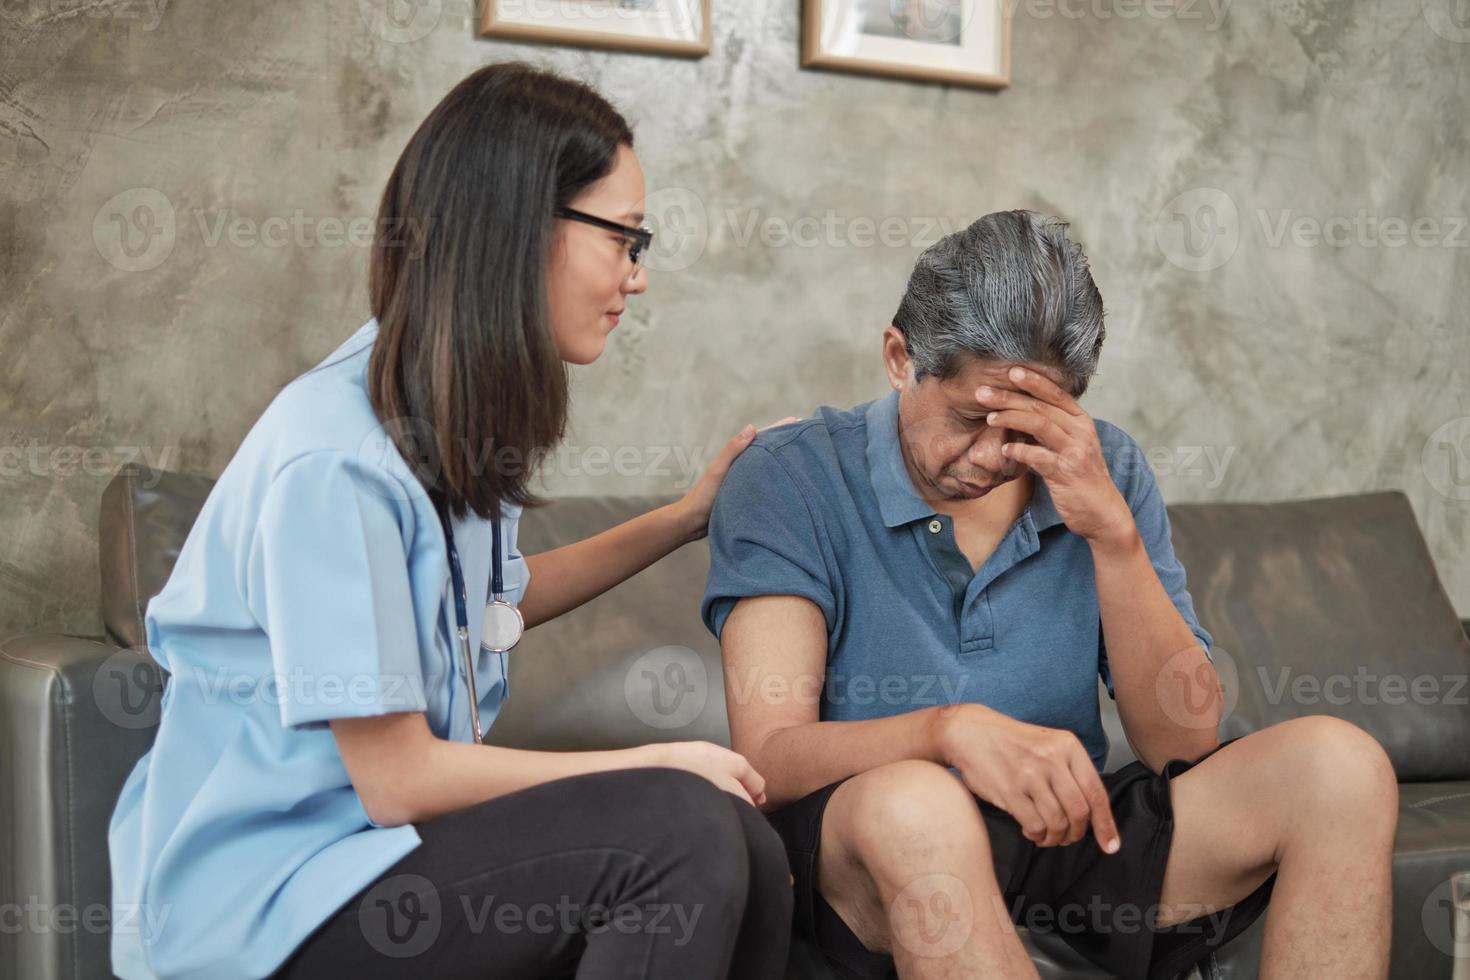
(677, 27)
(960, 42)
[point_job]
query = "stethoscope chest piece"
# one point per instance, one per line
(502, 627)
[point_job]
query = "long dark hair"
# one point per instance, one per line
(465, 375)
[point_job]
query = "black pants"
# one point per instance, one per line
(633, 873)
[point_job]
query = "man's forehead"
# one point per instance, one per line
(996, 374)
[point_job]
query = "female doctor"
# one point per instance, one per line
(316, 802)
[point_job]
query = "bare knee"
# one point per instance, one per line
(891, 824)
(905, 811)
(1345, 768)
(890, 829)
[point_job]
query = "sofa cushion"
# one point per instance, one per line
(75, 717)
(146, 515)
(1333, 606)
(1432, 842)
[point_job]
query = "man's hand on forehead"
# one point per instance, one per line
(1063, 448)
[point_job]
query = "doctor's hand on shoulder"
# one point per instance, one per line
(700, 500)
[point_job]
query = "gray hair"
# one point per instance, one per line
(1010, 287)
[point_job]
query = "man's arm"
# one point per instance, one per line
(1167, 689)
(775, 652)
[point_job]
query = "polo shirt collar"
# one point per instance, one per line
(898, 502)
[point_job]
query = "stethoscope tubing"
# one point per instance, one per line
(461, 615)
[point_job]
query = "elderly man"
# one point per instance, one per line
(915, 598)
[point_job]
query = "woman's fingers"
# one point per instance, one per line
(737, 445)
(731, 785)
(732, 772)
(720, 465)
(744, 793)
(754, 782)
(741, 439)
(728, 770)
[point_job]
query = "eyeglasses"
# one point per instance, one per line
(638, 239)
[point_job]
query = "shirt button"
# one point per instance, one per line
(935, 527)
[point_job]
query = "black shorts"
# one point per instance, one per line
(1102, 905)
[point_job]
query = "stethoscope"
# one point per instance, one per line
(501, 628)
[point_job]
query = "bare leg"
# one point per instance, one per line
(1314, 799)
(905, 861)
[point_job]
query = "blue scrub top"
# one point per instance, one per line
(314, 585)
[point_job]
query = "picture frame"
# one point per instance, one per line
(669, 27)
(955, 42)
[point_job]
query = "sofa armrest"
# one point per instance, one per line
(75, 717)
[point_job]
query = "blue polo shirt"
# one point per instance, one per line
(825, 509)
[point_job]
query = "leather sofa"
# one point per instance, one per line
(1324, 606)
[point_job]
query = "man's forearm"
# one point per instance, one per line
(1167, 690)
(802, 758)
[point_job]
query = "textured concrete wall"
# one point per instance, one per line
(1236, 172)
